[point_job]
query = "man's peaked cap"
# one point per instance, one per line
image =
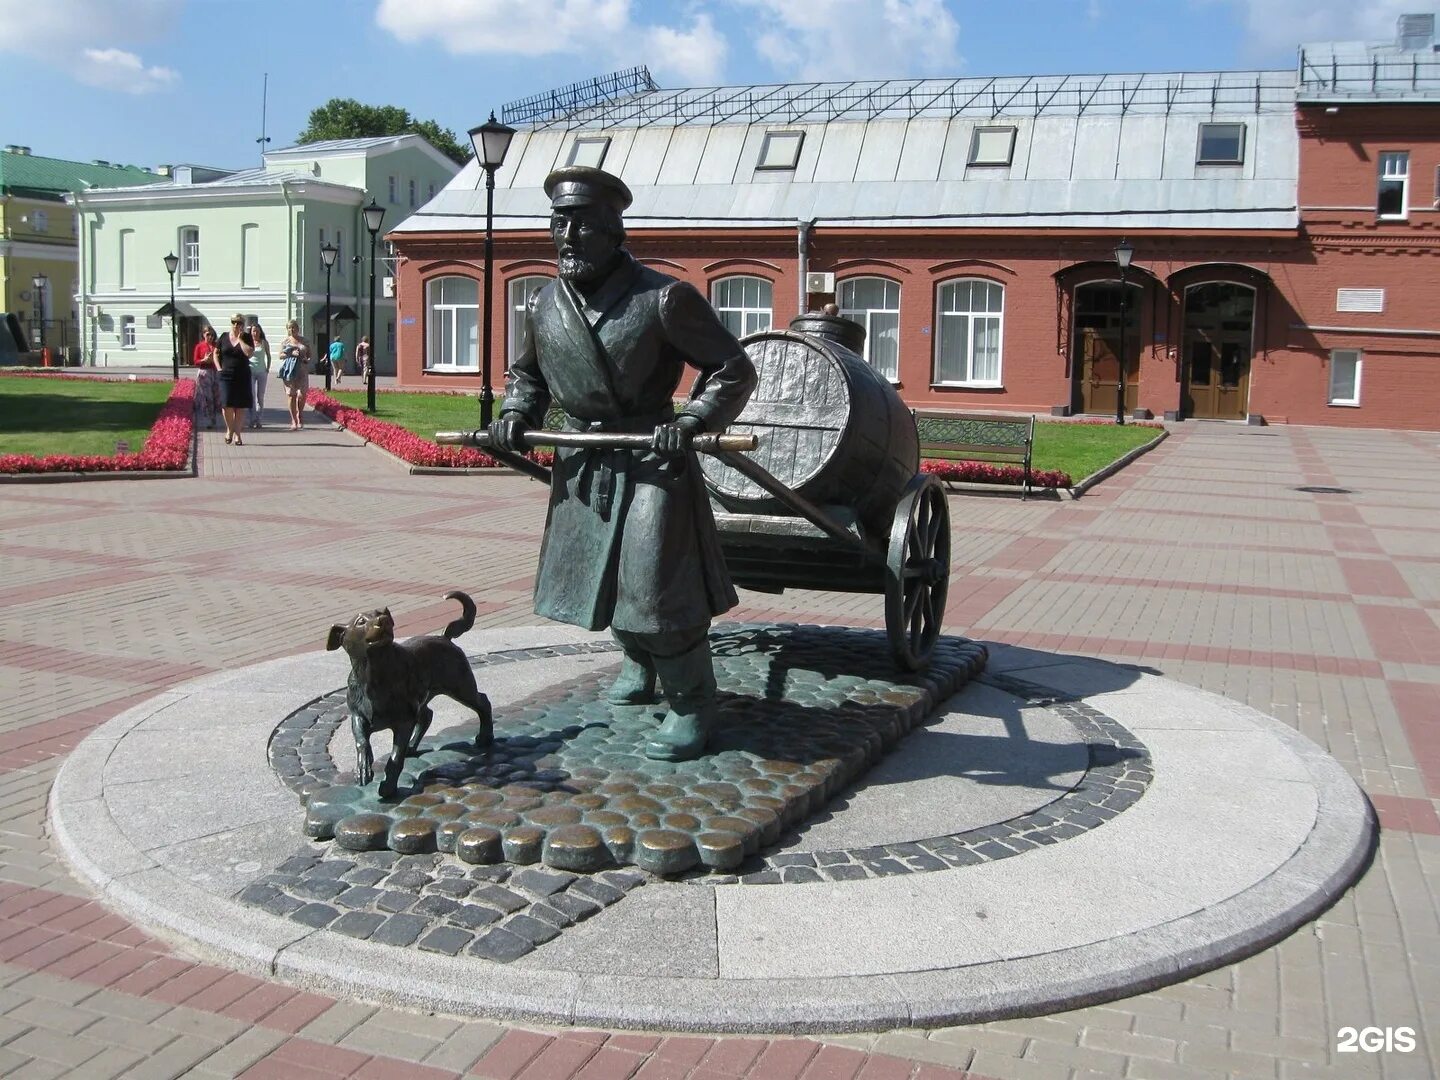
(582, 185)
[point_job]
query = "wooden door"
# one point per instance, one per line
(1098, 376)
(1219, 327)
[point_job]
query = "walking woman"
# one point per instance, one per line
(362, 357)
(207, 383)
(259, 371)
(297, 383)
(236, 381)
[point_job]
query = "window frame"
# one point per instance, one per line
(452, 323)
(394, 191)
(1238, 159)
(1352, 402)
(126, 268)
(413, 193)
(774, 142)
(863, 316)
(40, 220)
(189, 251)
(582, 147)
(515, 304)
(968, 318)
(743, 311)
(972, 160)
(1383, 158)
(127, 331)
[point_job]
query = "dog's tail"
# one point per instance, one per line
(467, 614)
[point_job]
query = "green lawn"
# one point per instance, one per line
(1078, 449)
(422, 414)
(76, 416)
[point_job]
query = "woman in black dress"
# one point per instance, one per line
(236, 391)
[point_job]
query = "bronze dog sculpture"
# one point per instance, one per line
(391, 685)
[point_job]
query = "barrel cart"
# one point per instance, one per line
(832, 498)
(817, 484)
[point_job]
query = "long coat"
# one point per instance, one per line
(630, 541)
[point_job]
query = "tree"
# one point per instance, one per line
(346, 118)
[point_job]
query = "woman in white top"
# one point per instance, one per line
(259, 370)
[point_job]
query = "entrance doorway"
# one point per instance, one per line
(1217, 343)
(1096, 348)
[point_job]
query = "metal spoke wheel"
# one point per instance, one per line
(917, 572)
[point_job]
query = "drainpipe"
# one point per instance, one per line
(290, 253)
(802, 243)
(82, 241)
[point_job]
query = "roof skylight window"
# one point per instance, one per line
(780, 150)
(588, 150)
(992, 146)
(1221, 144)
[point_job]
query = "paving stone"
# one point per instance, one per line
(500, 945)
(316, 915)
(400, 930)
(357, 924)
(498, 897)
(446, 939)
(535, 931)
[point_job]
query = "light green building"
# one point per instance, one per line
(248, 242)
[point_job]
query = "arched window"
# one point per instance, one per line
(452, 309)
(874, 303)
(519, 292)
(743, 303)
(970, 314)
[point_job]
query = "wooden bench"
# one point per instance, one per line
(978, 437)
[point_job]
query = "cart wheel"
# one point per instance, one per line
(917, 572)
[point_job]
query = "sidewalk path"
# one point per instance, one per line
(1204, 561)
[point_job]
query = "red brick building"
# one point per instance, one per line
(1284, 226)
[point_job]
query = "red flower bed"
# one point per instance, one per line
(406, 445)
(981, 472)
(167, 446)
(410, 447)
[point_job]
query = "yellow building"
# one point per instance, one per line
(38, 242)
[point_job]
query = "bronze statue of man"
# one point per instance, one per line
(630, 542)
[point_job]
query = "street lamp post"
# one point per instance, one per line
(328, 252)
(374, 213)
(172, 263)
(491, 140)
(1123, 254)
(38, 282)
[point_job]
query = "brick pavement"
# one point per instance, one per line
(1201, 561)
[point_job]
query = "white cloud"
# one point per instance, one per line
(80, 38)
(855, 39)
(695, 57)
(51, 27)
(1281, 25)
(605, 32)
(116, 69)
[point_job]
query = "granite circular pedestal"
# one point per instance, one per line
(1062, 831)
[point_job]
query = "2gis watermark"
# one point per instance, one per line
(1375, 1040)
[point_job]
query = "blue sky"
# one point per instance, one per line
(148, 82)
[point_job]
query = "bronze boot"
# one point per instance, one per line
(635, 685)
(690, 686)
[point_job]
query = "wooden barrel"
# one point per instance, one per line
(830, 427)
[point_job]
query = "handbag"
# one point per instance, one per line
(287, 369)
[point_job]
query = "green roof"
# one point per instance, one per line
(28, 174)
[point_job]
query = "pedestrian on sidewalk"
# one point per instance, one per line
(295, 372)
(259, 370)
(337, 360)
(362, 357)
(237, 382)
(207, 378)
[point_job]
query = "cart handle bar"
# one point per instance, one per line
(603, 440)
